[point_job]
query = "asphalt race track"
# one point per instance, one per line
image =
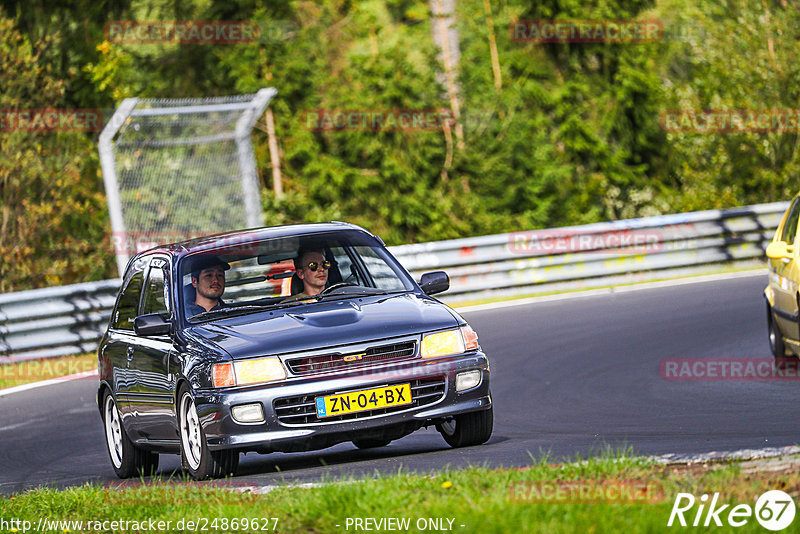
(569, 377)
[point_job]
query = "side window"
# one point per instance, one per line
(790, 228)
(156, 294)
(345, 265)
(383, 275)
(128, 303)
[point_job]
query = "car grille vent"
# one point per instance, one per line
(333, 362)
(301, 410)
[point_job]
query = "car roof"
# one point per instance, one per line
(240, 237)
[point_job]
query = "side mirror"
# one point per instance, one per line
(151, 324)
(779, 249)
(434, 282)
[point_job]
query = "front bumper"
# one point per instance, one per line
(276, 433)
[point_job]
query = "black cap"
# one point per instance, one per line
(204, 262)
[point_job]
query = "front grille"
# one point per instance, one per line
(332, 362)
(302, 410)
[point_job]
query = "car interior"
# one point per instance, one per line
(267, 278)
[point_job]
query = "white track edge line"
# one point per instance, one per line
(50, 382)
(739, 454)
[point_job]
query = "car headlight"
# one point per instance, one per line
(449, 342)
(255, 371)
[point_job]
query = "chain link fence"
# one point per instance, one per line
(180, 168)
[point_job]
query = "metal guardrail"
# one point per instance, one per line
(55, 321)
(596, 254)
(70, 319)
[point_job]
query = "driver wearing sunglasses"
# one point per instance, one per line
(312, 268)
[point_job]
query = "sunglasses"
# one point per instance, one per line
(313, 265)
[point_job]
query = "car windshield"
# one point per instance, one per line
(244, 278)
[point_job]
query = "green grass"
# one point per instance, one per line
(483, 500)
(16, 374)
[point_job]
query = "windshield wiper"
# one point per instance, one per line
(353, 294)
(332, 296)
(234, 310)
(229, 310)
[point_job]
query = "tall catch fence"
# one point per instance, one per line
(70, 319)
(179, 168)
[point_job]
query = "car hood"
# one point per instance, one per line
(326, 324)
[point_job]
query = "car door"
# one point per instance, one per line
(121, 340)
(153, 398)
(784, 275)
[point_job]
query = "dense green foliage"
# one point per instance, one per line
(572, 136)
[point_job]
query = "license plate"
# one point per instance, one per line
(367, 399)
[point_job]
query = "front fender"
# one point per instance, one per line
(769, 294)
(101, 387)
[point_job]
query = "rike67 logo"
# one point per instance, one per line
(774, 510)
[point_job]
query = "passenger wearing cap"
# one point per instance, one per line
(208, 280)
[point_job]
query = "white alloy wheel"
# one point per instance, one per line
(113, 432)
(191, 436)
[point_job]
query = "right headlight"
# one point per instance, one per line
(449, 342)
(244, 372)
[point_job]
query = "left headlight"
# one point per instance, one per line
(244, 372)
(449, 342)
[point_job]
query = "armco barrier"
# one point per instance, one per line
(596, 254)
(55, 321)
(70, 319)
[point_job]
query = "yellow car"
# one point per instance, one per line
(783, 299)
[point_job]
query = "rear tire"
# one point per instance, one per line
(371, 443)
(468, 429)
(126, 459)
(200, 462)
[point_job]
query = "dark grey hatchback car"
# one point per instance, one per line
(369, 359)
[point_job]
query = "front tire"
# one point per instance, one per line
(468, 429)
(776, 344)
(126, 459)
(200, 462)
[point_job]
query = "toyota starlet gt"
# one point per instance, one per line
(289, 338)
